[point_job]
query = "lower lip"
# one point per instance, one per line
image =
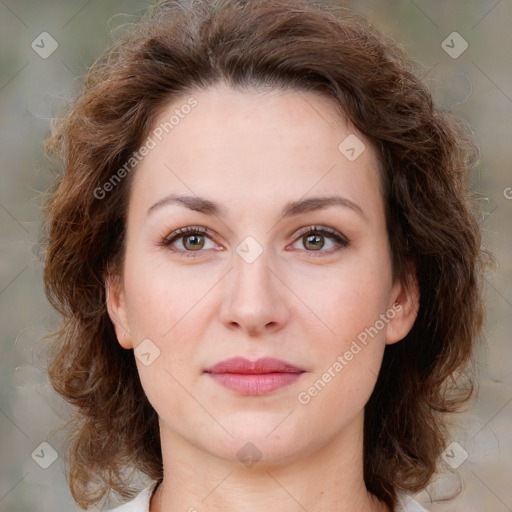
(255, 384)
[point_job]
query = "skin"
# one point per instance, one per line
(253, 152)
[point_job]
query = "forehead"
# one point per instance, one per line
(254, 147)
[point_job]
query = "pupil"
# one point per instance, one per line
(195, 243)
(312, 239)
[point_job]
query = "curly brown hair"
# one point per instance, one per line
(431, 217)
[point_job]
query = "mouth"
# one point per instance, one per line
(254, 377)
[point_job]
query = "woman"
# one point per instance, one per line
(267, 261)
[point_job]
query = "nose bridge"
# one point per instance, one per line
(253, 301)
(251, 277)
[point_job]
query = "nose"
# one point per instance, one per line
(255, 298)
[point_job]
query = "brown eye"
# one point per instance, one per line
(313, 242)
(193, 242)
(314, 239)
(188, 240)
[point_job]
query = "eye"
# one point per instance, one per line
(313, 239)
(190, 239)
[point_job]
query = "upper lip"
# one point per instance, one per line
(262, 365)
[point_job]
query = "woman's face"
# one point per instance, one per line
(257, 172)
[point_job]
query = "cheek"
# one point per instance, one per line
(164, 307)
(165, 389)
(345, 301)
(349, 358)
(351, 335)
(164, 315)
(160, 296)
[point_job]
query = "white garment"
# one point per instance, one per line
(141, 503)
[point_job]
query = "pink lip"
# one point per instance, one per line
(254, 377)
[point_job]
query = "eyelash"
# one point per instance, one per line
(196, 230)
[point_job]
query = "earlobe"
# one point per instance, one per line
(116, 308)
(406, 306)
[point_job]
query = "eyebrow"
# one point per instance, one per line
(209, 207)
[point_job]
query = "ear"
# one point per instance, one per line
(405, 302)
(116, 307)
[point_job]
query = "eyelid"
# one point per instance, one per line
(182, 232)
(326, 230)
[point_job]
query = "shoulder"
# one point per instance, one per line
(407, 504)
(140, 503)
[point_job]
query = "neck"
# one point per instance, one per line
(326, 480)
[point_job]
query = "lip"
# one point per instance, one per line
(254, 377)
(262, 365)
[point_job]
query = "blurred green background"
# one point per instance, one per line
(476, 84)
